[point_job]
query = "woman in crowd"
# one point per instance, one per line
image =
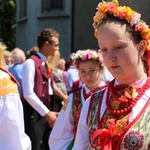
(88, 62)
(58, 78)
(118, 117)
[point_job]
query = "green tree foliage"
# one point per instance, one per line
(8, 22)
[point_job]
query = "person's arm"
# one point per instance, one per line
(28, 88)
(59, 93)
(62, 133)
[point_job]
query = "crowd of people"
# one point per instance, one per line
(96, 100)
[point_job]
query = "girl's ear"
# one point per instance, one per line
(141, 47)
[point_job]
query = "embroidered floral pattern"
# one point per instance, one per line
(133, 140)
(7, 85)
(91, 131)
(77, 106)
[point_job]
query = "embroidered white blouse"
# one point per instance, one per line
(12, 134)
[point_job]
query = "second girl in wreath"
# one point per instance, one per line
(89, 64)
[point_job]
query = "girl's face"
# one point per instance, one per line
(90, 73)
(120, 55)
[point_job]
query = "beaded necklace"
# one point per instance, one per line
(130, 100)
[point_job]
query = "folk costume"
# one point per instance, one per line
(121, 118)
(117, 117)
(64, 131)
(12, 135)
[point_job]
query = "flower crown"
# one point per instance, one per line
(133, 18)
(84, 55)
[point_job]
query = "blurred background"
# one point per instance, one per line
(22, 20)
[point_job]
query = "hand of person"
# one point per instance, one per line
(66, 100)
(51, 117)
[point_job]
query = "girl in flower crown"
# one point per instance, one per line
(118, 117)
(89, 64)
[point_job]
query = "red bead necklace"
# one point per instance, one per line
(128, 99)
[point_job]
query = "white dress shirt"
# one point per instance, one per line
(28, 76)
